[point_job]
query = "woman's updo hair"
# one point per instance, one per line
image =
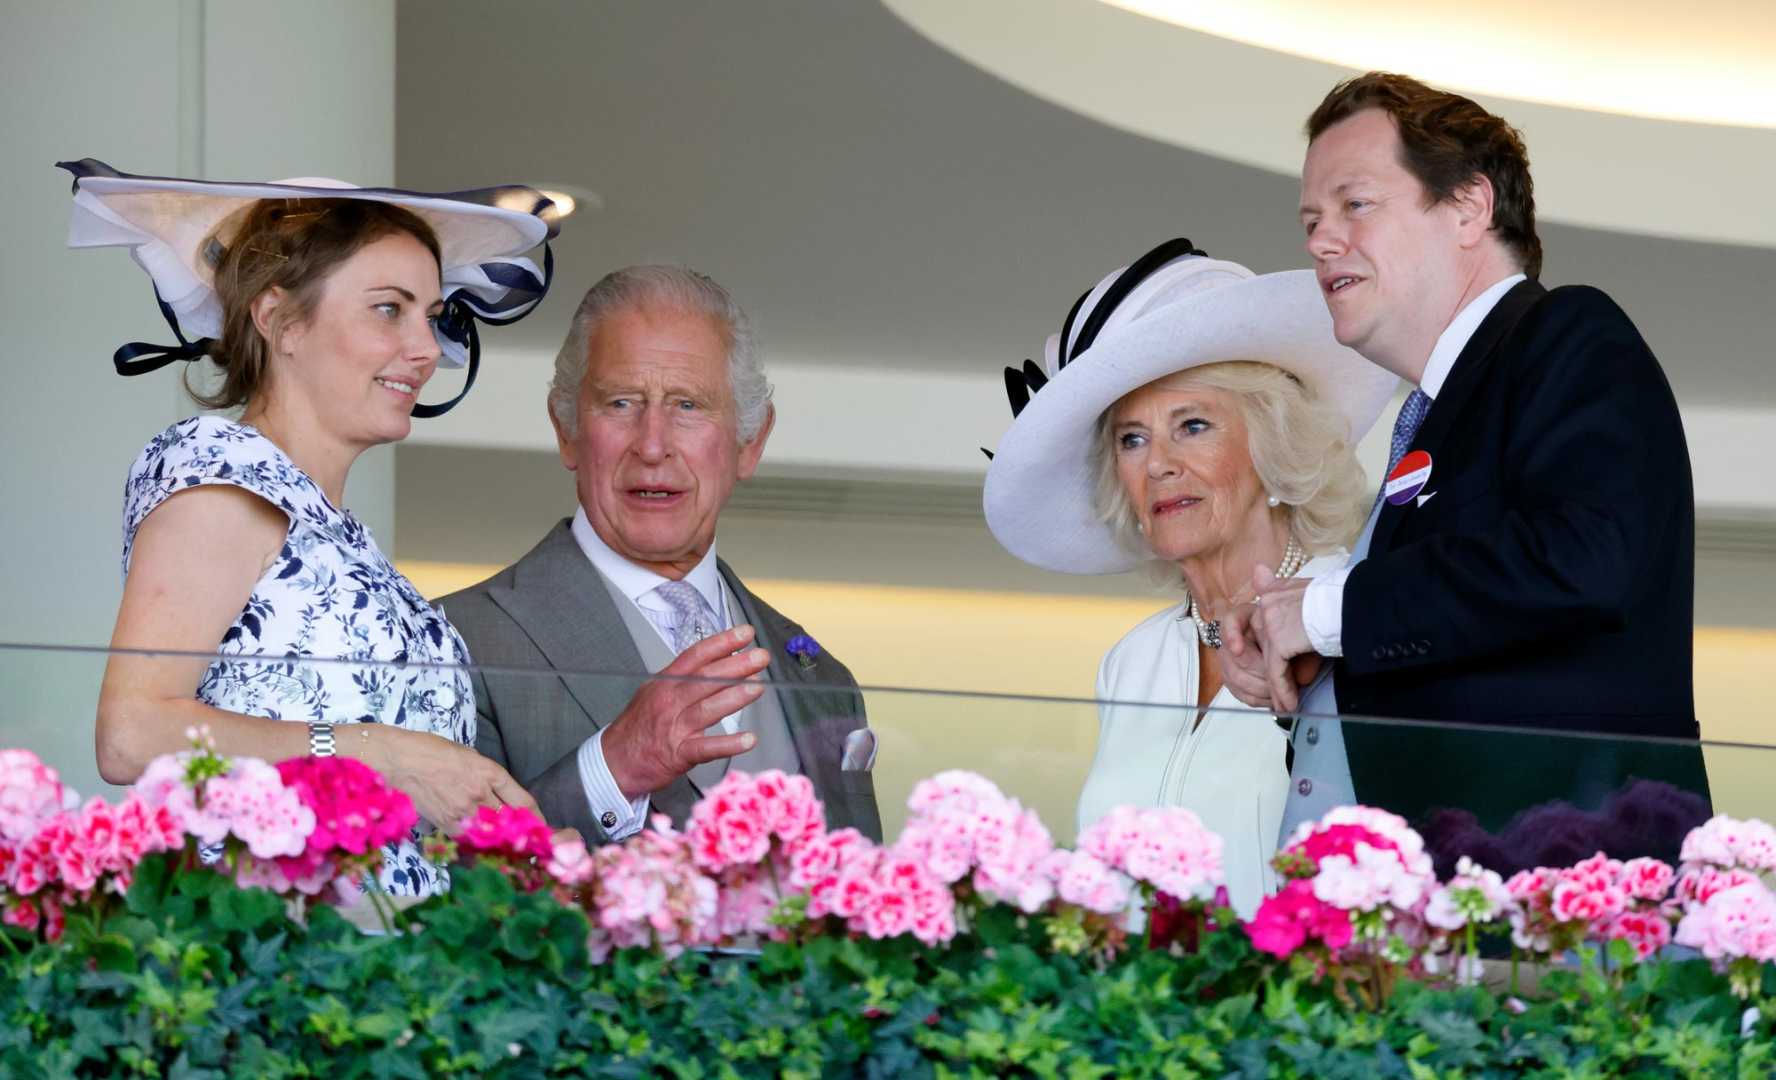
(1300, 449)
(294, 245)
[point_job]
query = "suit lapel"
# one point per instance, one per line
(1465, 376)
(561, 603)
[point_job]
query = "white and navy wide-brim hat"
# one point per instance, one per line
(1172, 310)
(178, 230)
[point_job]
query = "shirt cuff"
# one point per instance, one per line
(618, 817)
(1322, 612)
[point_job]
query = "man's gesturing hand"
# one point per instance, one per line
(659, 737)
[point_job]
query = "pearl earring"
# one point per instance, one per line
(1274, 502)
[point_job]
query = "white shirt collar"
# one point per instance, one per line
(1455, 336)
(638, 583)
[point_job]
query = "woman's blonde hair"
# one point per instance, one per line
(1300, 449)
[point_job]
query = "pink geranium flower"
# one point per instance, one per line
(30, 794)
(1368, 878)
(514, 831)
(740, 819)
(353, 814)
(1294, 916)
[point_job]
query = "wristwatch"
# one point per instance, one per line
(320, 740)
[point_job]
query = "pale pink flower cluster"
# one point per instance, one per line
(51, 858)
(1600, 898)
(1729, 914)
(1085, 880)
(746, 832)
(737, 821)
(1702, 882)
(646, 893)
(834, 871)
(961, 823)
(1165, 847)
(884, 893)
(1735, 923)
(1724, 853)
(248, 802)
(1590, 892)
(30, 793)
(1728, 843)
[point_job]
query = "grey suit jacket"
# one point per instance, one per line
(550, 611)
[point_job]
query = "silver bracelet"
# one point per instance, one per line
(320, 740)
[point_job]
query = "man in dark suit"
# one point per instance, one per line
(660, 407)
(1529, 564)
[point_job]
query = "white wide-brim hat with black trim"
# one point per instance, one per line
(178, 229)
(1182, 310)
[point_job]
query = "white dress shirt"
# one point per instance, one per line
(638, 584)
(1322, 606)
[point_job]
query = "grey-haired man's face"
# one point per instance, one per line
(656, 451)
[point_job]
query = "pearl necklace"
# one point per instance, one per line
(1208, 631)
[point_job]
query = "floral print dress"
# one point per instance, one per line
(330, 595)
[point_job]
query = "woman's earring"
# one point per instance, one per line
(1274, 502)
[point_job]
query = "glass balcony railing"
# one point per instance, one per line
(1510, 798)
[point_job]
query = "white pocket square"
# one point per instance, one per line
(860, 751)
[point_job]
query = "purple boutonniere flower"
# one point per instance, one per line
(804, 648)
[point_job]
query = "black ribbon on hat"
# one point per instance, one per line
(139, 357)
(1022, 383)
(457, 321)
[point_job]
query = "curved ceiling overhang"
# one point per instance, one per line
(1246, 103)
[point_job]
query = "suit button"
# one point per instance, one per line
(1313, 735)
(1305, 787)
(1378, 653)
(1422, 648)
(608, 820)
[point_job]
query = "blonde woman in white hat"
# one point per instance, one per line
(1195, 420)
(326, 309)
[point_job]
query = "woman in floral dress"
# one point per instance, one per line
(326, 309)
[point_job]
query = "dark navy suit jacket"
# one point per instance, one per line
(1543, 579)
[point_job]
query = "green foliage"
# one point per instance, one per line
(195, 978)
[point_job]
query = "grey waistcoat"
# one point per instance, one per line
(1321, 778)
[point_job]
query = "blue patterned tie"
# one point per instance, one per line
(1412, 414)
(696, 620)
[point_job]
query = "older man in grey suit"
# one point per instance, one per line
(660, 407)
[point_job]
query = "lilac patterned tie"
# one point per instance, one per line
(696, 620)
(1412, 414)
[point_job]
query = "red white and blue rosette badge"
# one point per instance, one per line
(1408, 478)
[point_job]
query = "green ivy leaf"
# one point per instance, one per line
(246, 910)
